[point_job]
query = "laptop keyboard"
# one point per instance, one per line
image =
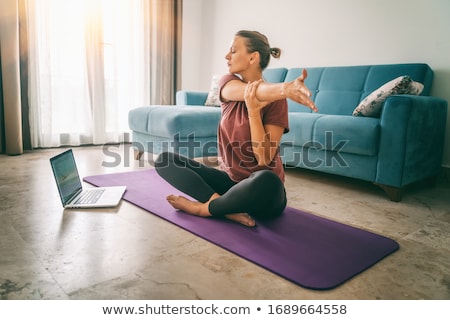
(90, 196)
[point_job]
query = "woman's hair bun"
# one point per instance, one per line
(275, 52)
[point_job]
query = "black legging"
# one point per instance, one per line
(262, 194)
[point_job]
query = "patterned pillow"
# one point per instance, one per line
(213, 98)
(371, 105)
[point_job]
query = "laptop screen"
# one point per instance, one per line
(66, 175)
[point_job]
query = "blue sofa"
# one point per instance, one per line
(401, 146)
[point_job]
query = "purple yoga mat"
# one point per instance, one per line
(309, 250)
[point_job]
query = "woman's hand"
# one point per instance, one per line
(254, 105)
(298, 92)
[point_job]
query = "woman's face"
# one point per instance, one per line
(238, 58)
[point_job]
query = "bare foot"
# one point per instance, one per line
(242, 218)
(189, 206)
(202, 209)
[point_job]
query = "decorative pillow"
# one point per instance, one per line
(213, 98)
(371, 105)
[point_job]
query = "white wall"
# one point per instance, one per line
(321, 33)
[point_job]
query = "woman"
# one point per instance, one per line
(249, 183)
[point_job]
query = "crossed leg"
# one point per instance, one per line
(202, 209)
(261, 195)
(200, 182)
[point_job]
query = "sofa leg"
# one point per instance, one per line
(138, 154)
(393, 193)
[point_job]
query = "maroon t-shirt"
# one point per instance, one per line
(235, 142)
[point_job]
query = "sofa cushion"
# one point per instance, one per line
(338, 90)
(335, 90)
(347, 134)
(301, 127)
(381, 74)
(372, 104)
(213, 98)
(274, 75)
(333, 132)
(168, 121)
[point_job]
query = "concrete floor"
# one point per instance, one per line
(47, 252)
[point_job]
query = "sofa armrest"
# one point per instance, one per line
(411, 139)
(191, 98)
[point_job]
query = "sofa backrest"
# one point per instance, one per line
(275, 75)
(338, 90)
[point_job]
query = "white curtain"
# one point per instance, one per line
(90, 63)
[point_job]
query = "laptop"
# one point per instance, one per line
(72, 194)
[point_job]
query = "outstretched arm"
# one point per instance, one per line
(268, 92)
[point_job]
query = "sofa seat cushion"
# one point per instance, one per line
(301, 128)
(168, 121)
(333, 132)
(347, 134)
